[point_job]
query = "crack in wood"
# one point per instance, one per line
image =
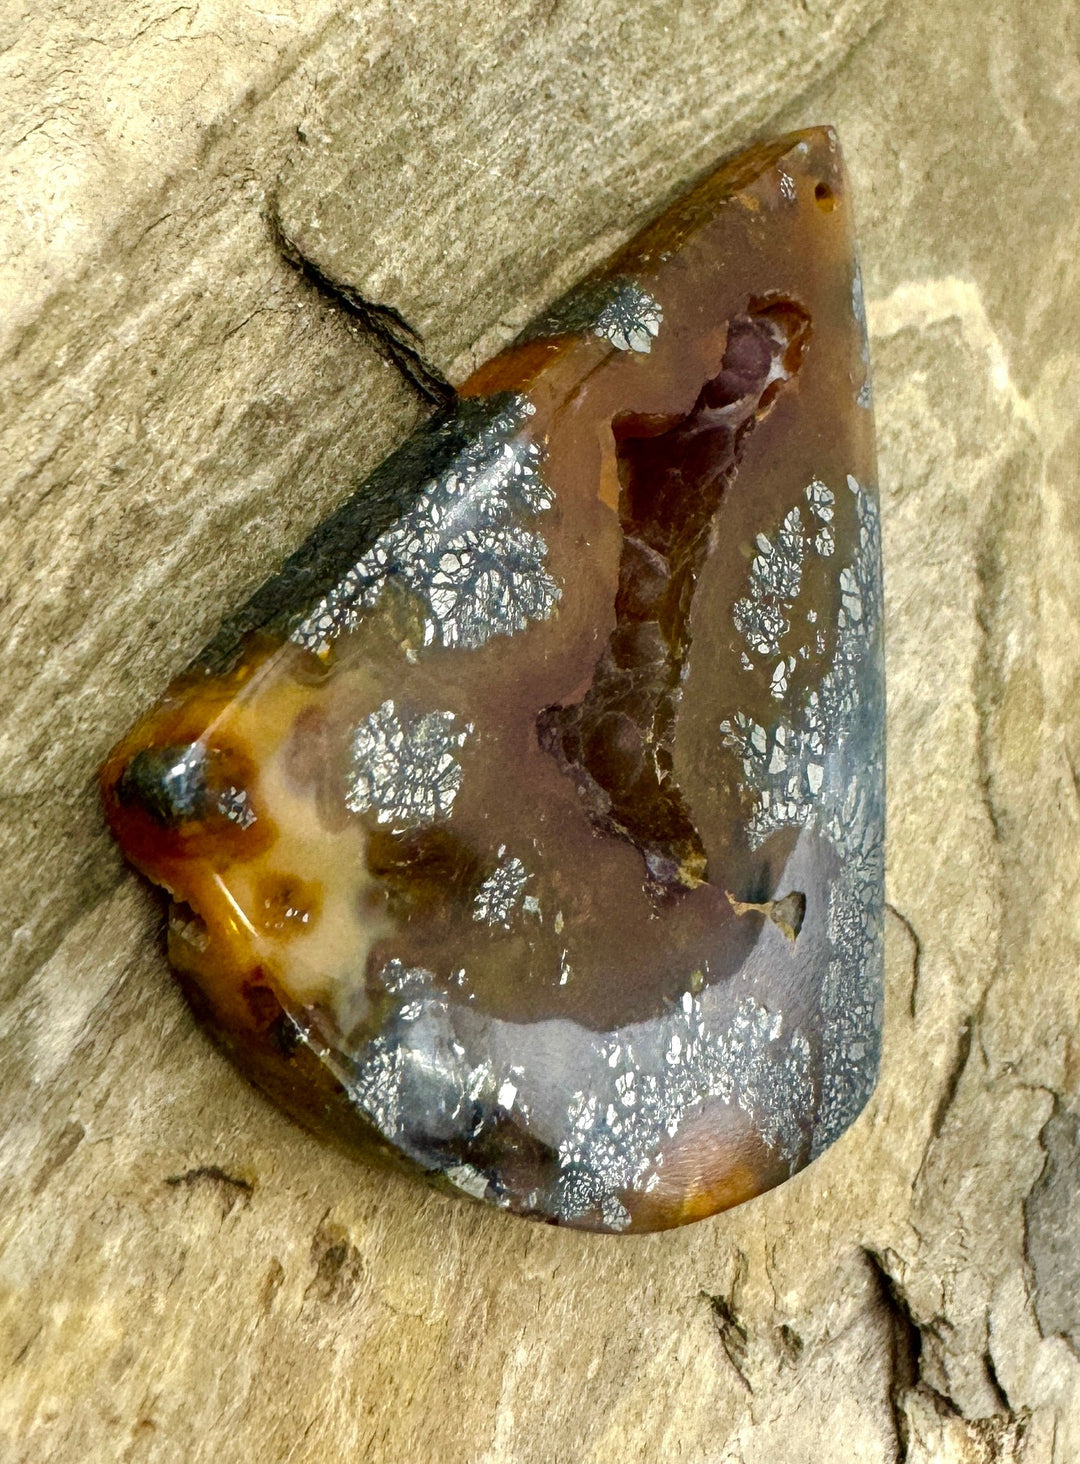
(399, 342)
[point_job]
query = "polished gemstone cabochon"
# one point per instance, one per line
(526, 830)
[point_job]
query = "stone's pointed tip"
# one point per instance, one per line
(823, 131)
(452, 811)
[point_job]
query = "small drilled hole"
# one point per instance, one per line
(825, 198)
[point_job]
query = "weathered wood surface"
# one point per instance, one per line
(183, 1274)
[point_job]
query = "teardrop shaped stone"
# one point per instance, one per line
(526, 828)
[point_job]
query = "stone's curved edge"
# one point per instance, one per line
(725, 1058)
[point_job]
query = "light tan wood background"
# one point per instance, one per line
(183, 1274)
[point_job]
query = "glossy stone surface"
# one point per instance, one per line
(526, 829)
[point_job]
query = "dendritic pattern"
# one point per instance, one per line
(824, 769)
(617, 310)
(629, 320)
(461, 550)
(787, 762)
(407, 772)
(775, 579)
(397, 978)
(500, 894)
(643, 1082)
(822, 502)
(643, 1096)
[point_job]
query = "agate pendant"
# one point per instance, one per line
(526, 829)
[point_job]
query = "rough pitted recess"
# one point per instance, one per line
(617, 742)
